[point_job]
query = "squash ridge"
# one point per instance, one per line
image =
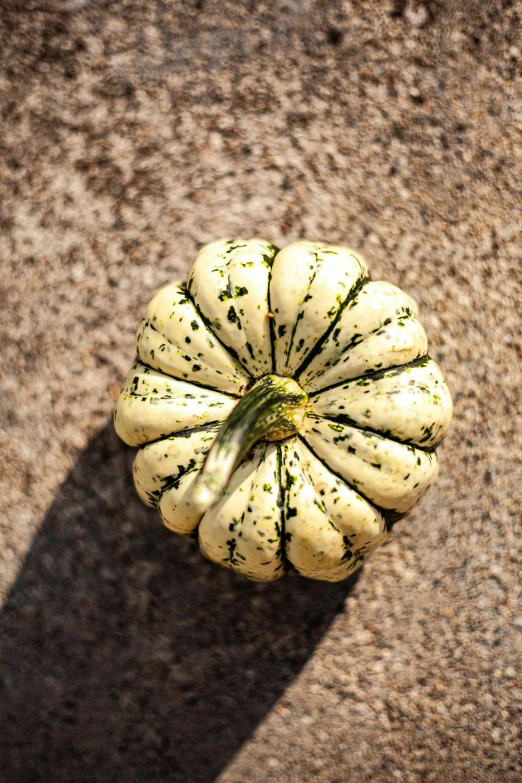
(374, 375)
(384, 511)
(193, 383)
(233, 353)
(312, 353)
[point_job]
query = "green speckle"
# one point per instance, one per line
(232, 317)
(227, 293)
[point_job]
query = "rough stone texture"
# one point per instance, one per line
(132, 132)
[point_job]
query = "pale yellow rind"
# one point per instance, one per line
(329, 528)
(229, 283)
(378, 329)
(411, 404)
(174, 339)
(165, 470)
(153, 405)
(392, 475)
(310, 282)
(243, 530)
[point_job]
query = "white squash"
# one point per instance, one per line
(285, 407)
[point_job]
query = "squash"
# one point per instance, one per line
(285, 408)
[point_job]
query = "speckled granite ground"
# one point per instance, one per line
(131, 133)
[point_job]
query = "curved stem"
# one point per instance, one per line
(273, 409)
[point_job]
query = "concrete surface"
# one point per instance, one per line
(132, 132)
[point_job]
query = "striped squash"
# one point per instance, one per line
(285, 406)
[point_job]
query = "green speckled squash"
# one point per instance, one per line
(285, 407)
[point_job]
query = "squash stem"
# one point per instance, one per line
(273, 409)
